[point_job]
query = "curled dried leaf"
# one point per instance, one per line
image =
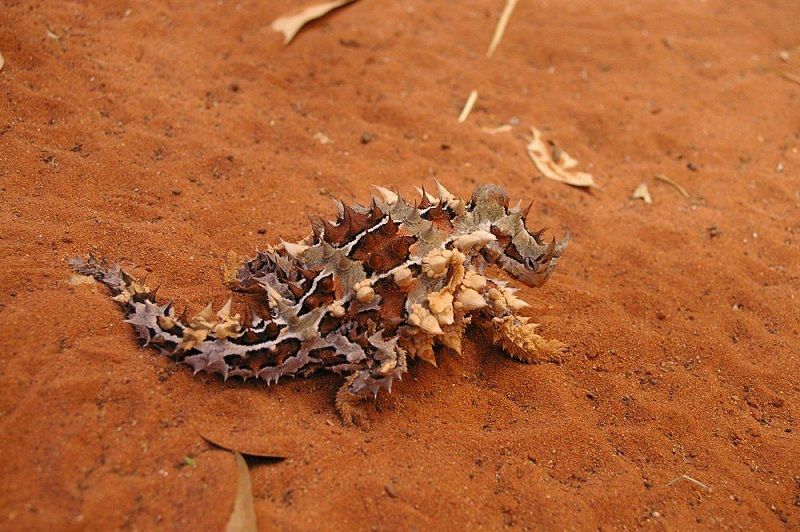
(289, 25)
(556, 165)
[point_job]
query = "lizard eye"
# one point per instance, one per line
(530, 264)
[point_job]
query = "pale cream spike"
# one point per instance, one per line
(445, 194)
(205, 314)
(476, 239)
(516, 303)
(431, 325)
(294, 249)
(388, 196)
(225, 312)
(458, 206)
(471, 300)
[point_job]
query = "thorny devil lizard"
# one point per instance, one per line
(362, 296)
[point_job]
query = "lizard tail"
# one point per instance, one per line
(207, 342)
(266, 348)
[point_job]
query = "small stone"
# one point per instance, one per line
(367, 137)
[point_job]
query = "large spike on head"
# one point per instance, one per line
(537, 236)
(427, 200)
(317, 227)
(524, 211)
(339, 207)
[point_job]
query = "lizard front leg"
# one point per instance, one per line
(513, 333)
(352, 407)
(517, 337)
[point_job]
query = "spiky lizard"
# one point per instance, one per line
(363, 295)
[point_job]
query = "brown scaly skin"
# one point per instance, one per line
(361, 296)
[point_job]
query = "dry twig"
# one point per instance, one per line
(675, 185)
(790, 77)
(473, 96)
(688, 479)
(501, 26)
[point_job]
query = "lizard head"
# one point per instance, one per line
(520, 253)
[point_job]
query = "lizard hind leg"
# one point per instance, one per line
(519, 339)
(352, 407)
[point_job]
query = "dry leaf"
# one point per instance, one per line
(501, 26)
(248, 449)
(675, 185)
(643, 193)
(558, 165)
(473, 96)
(243, 516)
(322, 138)
(505, 128)
(289, 25)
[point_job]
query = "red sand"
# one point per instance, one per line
(164, 135)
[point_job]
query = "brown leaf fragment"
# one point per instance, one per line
(556, 164)
(642, 193)
(243, 516)
(245, 450)
(289, 25)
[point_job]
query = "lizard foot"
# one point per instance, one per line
(352, 407)
(518, 338)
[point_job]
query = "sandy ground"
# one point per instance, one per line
(165, 134)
